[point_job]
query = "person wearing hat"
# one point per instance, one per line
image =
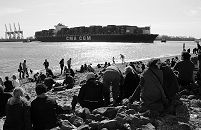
(93, 94)
(185, 69)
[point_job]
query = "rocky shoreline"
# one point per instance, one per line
(125, 117)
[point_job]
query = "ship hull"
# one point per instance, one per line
(141, 38)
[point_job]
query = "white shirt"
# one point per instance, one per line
(15, 83)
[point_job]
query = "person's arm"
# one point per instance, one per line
(136, 93)
(81, 95)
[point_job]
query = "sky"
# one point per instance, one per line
(165, 17)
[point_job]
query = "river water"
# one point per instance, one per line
(12, 53)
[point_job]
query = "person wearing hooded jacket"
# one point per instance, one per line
(93, 94)
(150, 89)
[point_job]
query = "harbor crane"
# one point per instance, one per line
(16, 34)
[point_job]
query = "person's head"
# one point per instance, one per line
(185, 55)
(90, 76)
(14, 77)
(24, 61)
(154, 63)
(40, 89)
(45, 60)
(128, 69)
(18, 92)
(6, 78)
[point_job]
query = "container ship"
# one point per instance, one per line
(109, 33)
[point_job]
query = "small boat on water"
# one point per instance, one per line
(163, 40)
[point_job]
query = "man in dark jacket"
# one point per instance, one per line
(93, 94)
(185, 68)
(44, 110)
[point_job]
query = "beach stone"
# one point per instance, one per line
(195, 103)
(145, 120)
(83, 127)
(96, 117)
(130, 111)
(94, 125)
(135, 105)
(66, 125)
(110, 124)
(148, 126)
(182, 113)
(76, 120)
(184, 126)
(191, 97)
(109, 112)
(82, 112)
(133, 120)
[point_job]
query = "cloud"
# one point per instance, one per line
(7, 11)
(193, 12)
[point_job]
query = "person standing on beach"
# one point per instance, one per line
(113, 60)
(46, 64)
(122, 57)
(69, 63)
(20, 70)
(25, 70)
(61, 64)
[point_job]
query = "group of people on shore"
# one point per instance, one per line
(155, 85)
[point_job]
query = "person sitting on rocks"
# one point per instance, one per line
(17, 112)
(150, 89)
(8, 85)
(69, 81)
(185, 69)
(49, 82)
(44, 110)
(49, 73)
(15, 82)
(93, 94)
(131, 82)
(4, 98)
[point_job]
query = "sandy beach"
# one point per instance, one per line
(65, 97)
